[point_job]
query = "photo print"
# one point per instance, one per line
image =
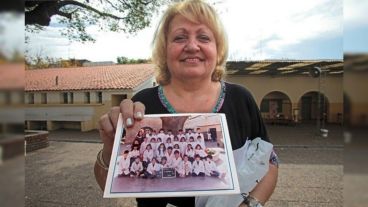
(172, 155)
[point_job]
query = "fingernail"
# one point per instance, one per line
(139, 114)
(129, 122)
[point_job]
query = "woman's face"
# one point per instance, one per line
(191, 49)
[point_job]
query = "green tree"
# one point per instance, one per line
(128, 16)
(122, 60)
(125, 60)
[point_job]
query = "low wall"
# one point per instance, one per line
(36, 140)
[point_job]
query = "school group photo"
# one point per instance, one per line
(173, 154)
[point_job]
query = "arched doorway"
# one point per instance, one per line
(276, 108)
(309, 110)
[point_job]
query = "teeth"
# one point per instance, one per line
(192, 60)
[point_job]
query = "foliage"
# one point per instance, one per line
(49, 62)
(128, 16)
(125, 60)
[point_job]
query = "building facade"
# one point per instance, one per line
(288, 92)
(75, 98)
(285, 91)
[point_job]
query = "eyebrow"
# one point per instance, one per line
(199, 30)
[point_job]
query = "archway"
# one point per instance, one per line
(276, 108)
(309, 110)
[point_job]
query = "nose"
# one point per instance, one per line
(191, 46)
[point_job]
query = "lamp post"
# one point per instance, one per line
(316, 72)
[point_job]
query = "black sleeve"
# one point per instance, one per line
(259, 128)
(149, 97)
(242, 115)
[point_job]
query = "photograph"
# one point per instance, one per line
(172, 155)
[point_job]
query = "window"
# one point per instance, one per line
(7, 97)
(71, 97)
(43, 98)
(64, 98)
(99, 97)
(87, 97)
(31, 98)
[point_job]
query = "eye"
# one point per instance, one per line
(180, 38)
(204, 38)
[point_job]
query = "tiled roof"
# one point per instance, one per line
(88, 78)
(283, 67)
(11, 76)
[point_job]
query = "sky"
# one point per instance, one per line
(256, 29)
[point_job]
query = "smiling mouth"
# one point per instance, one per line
(192, 60)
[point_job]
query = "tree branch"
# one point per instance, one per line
(125, 4)
(64, 14)
(112, 5)
(76, 3)
(145, 2)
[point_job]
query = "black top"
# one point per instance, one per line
(243, 119)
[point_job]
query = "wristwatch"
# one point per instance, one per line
(251, 201)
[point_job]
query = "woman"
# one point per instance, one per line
(190, 51)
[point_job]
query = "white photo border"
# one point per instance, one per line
(227, 148)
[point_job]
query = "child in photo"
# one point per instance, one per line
(181, 135)
(169, 155)
(159, 141)
(150, 135)
(124, 164)
(169, 143)
(160, 152)
(200, 151)
(190, 152)
(147, 155)
(143, 145)
(211, 167)
(190, 134)
(161, 134)
(183, 145)
(170, 134)
(176, 163)
(198, 167)
(192, 141)
(164, 163)
(136, 169)
(134, 153)
(176, 147)
(153, 169)
(153, 143)
(176, 140)
(187, 166)
(200, 141)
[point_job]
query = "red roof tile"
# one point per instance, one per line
(88, 78)
(11, 76)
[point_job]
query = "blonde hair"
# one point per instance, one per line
(196, 11)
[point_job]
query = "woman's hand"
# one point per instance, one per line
(131, 112)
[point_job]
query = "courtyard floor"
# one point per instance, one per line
(310, 173)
